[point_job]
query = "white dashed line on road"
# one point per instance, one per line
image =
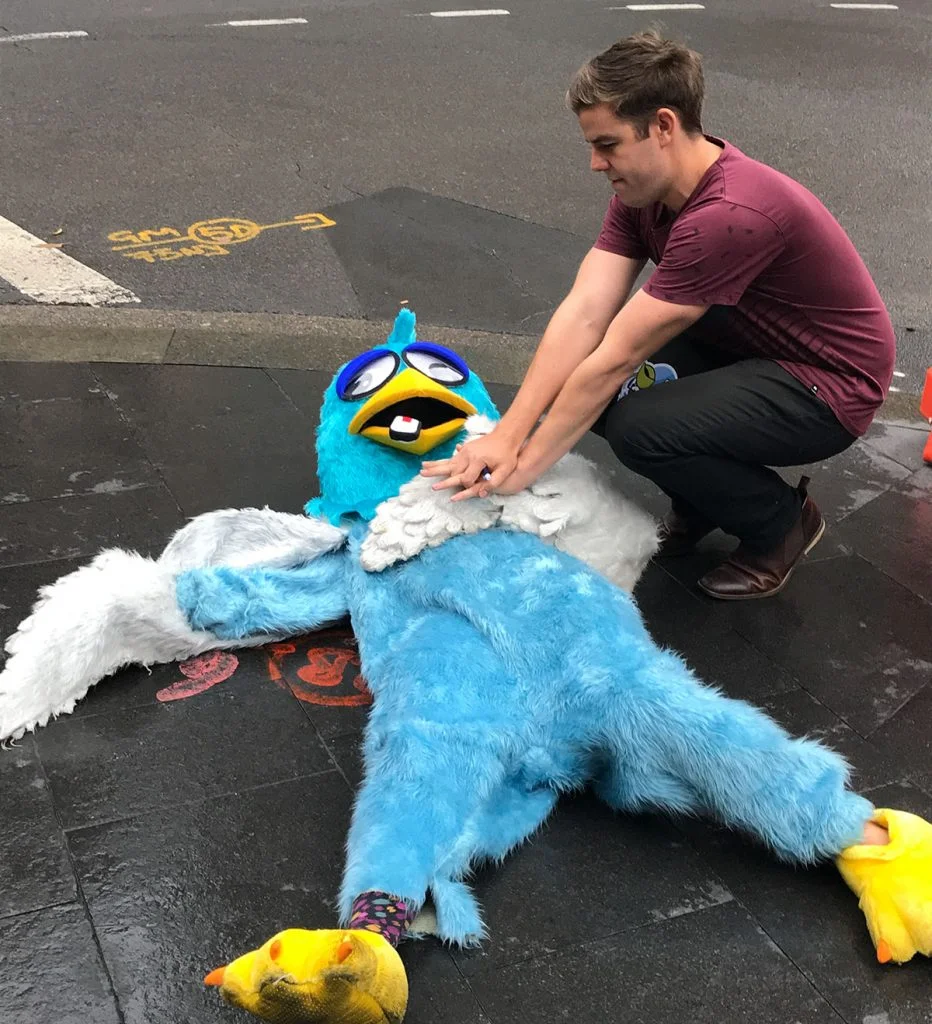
(46, 274)
(658, 7)
(865, 7)
(259, 22)
(467, 14)
(28, 37)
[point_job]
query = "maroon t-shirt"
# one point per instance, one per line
(793, 286)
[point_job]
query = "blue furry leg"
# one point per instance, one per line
(682, 746)
(417, 819)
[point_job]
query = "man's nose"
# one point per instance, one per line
(598, 162)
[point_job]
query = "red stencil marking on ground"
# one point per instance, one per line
(318, 674)
(201, 673)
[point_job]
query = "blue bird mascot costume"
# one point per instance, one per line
(505, 671)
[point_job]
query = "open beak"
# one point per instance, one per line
(412, 413)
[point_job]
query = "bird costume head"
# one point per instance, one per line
(383, 412)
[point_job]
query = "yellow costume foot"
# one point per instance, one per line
(894, 883)
(318, 977)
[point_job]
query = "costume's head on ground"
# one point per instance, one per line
(383, 412)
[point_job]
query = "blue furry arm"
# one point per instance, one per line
(237, 603)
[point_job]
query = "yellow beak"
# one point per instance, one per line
(412, 413)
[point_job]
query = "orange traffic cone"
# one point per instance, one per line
(925, 407)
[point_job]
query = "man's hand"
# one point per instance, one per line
(478, 466)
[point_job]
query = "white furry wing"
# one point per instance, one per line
(242, 537)
(121, 609)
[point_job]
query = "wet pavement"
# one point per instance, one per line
(182, 816)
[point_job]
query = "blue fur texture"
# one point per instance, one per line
(504, 673)
(234, 604)
(356, 474)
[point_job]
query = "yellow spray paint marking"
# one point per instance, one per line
(205, 238)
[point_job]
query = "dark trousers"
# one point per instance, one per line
(708, 437)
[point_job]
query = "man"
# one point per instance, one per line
(759, 340)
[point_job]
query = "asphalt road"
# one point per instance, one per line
(435, 152)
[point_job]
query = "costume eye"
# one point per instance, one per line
(366, 373)
(437, 362)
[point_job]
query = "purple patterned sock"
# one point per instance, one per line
(380, 912)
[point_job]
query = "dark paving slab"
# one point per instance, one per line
(68, 446)
(909, 735)
(853, 637)
(438, 993)
(720, 656)
(142, 519)
(595, 854)
(402, 244)
(814, 918)
(874, 762)
(115, 765)
(178, 892)
(19, 585)
(303, 388)
(220, 437)
(35, 871)
(901, 552)
(206, 804)
(25, 382)
(52, 970)
(902, 444)
(708, 967)
(848, 481)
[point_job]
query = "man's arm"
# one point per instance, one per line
(643, 326)
(603, 283)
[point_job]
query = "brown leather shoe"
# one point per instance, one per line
(748, 574)
(679, 534)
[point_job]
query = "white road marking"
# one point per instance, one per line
(259, 22)
(865, 7)
(29, 36)
(894, 389)
(898, 373)
(467, 14)
(48, 275)
(658, 7)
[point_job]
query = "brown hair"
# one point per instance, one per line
(639, 75)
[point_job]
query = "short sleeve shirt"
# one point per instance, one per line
(791, 283)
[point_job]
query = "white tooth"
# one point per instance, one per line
(406, 426)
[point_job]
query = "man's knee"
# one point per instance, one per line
(633, 429)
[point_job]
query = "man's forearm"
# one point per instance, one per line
(579, 404)
(568, 340)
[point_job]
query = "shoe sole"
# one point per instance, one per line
(817, 536)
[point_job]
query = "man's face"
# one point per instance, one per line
(638, 169)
